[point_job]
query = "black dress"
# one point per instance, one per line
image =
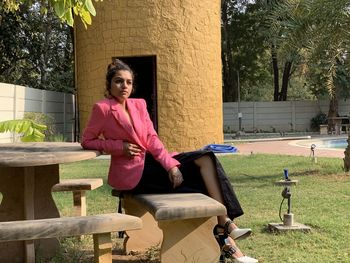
(155, 180)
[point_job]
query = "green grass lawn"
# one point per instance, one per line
(320, 200)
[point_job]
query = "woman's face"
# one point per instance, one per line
(121, 85)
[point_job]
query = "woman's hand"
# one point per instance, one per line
(175, 176)
(131, 150)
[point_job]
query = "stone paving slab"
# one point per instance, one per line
(286, 147)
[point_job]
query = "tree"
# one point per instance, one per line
(254, 51)
(285, 51)
(320, 29)
(313, 34)
(65, 10)
(229, 81)
(36, 49)
(250, 56)
(243, 54)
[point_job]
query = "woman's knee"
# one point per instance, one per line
(203, 161)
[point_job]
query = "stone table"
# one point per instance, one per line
(28, 171)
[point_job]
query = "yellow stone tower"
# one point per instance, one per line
(174, 48)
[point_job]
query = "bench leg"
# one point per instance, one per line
(189, 240)
(79, 201)
(149, 236)
(102, 248)
(29, 251)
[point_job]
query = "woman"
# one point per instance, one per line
(121, 126)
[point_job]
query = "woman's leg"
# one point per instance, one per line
(210, 178)
(226, 243)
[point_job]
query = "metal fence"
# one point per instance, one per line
(15, 100)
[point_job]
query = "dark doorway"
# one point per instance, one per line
(145, 82)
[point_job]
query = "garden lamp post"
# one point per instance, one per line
(288, 218)
(239, 103)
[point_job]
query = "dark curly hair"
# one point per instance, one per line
(112, 69)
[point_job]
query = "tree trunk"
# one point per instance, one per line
(45, 30)
(230, 91)
(227, 89)
(285, 81)
(332, 112)
(346, 158)
(333, 107)
(275, 72)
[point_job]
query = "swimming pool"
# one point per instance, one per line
(335, 143)
(329, 143)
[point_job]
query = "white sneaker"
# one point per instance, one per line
(240, 233)
(245, 259)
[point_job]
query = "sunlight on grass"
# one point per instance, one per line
(320, 200)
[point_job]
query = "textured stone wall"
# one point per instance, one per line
(185, 37)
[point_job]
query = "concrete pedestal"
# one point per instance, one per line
(323, 129)
(279, 227)
(288, 224)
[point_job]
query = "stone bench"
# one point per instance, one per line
(100, 226)
(78, 187)
(182, 223)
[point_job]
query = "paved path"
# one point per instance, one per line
(287, 147)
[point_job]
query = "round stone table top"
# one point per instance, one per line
(42, 153)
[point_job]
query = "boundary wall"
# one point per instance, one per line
(15, 100)
(277, 116)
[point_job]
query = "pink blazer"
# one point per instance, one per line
(108, 119)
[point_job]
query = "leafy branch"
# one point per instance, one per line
(31, 131)
(64, 9)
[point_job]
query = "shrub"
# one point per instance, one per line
(29, 130)
(44, 119)
(319, 119)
